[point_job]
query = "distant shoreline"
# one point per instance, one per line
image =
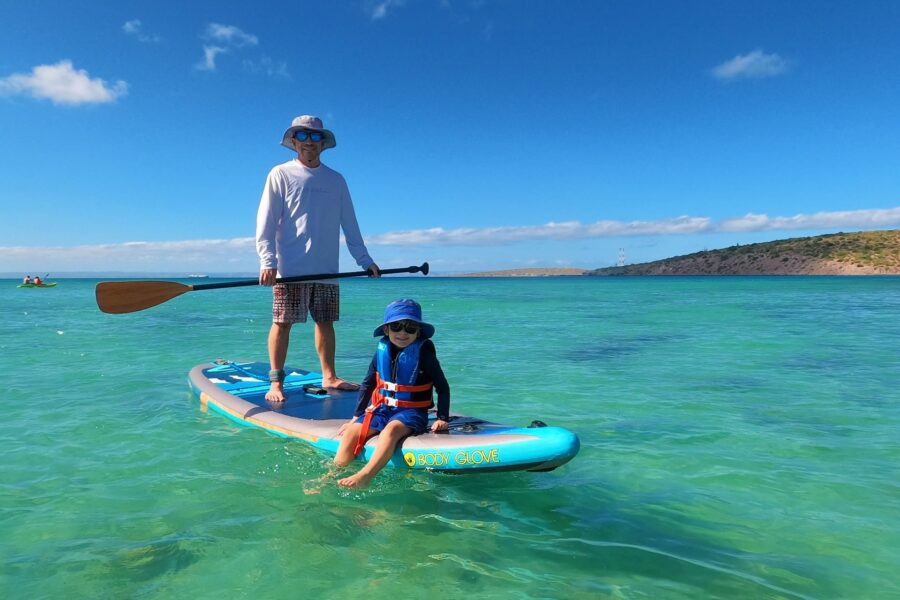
(547, 272)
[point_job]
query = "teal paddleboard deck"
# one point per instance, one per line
(237, 390)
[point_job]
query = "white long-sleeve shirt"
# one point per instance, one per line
(301, 213)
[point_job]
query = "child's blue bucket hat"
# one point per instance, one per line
(405, 309)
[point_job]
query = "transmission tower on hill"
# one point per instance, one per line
(621, 261)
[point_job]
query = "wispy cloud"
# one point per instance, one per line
(865, 219)
(62, 84)
(684, 225)
(209, 58)
(267, 66)
(755, 65)
(239, 255)
(135, 29)
(495, 236)
(222, 39)
(230, 35)
(380, 9)
(193, 255)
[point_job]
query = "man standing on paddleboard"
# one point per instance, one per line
(304, 207)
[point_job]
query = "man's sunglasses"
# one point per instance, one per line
(408, 327)
(302, 136)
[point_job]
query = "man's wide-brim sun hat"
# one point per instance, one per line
(312, 124)
(405, 309)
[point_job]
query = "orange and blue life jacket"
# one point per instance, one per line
(395, 383)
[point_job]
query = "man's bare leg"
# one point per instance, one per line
(325, 345)
(279, 338)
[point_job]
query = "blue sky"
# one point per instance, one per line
(476, 135)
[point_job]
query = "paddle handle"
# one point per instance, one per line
(297, 278)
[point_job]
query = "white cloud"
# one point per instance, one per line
(380, 9)
(209, 58)
(754, 65)
(62, 84)
(873, 219)
(570, 230)
(684, 225)
(224, 39)
(229, 35)
(267, 66)
(134, 28)
(239, 254)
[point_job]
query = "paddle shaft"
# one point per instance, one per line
(299, 278)
(119, 297)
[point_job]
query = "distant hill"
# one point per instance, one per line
(861, 253)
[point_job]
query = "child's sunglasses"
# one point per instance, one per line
(315, 136)
(409, 328)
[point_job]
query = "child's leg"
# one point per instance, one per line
(345, 454)
(387, 443)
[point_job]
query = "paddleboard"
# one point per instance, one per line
(237, 390)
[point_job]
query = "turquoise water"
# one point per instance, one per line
(739, 440)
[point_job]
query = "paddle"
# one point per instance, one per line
(119, 297)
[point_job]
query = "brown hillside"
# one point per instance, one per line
(862, 253)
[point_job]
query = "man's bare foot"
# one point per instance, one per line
(275, 393)
(357, 480)
(339, 384)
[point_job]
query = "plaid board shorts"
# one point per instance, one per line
(291, 302)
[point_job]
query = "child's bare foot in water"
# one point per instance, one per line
(275, 393)
(357, 480)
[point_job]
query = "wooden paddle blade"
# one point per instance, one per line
(119, 297)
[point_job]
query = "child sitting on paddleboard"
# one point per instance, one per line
(397, 392)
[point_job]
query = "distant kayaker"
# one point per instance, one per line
(27, 280)
(396, 393)
(38, 280)
(303, 208)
